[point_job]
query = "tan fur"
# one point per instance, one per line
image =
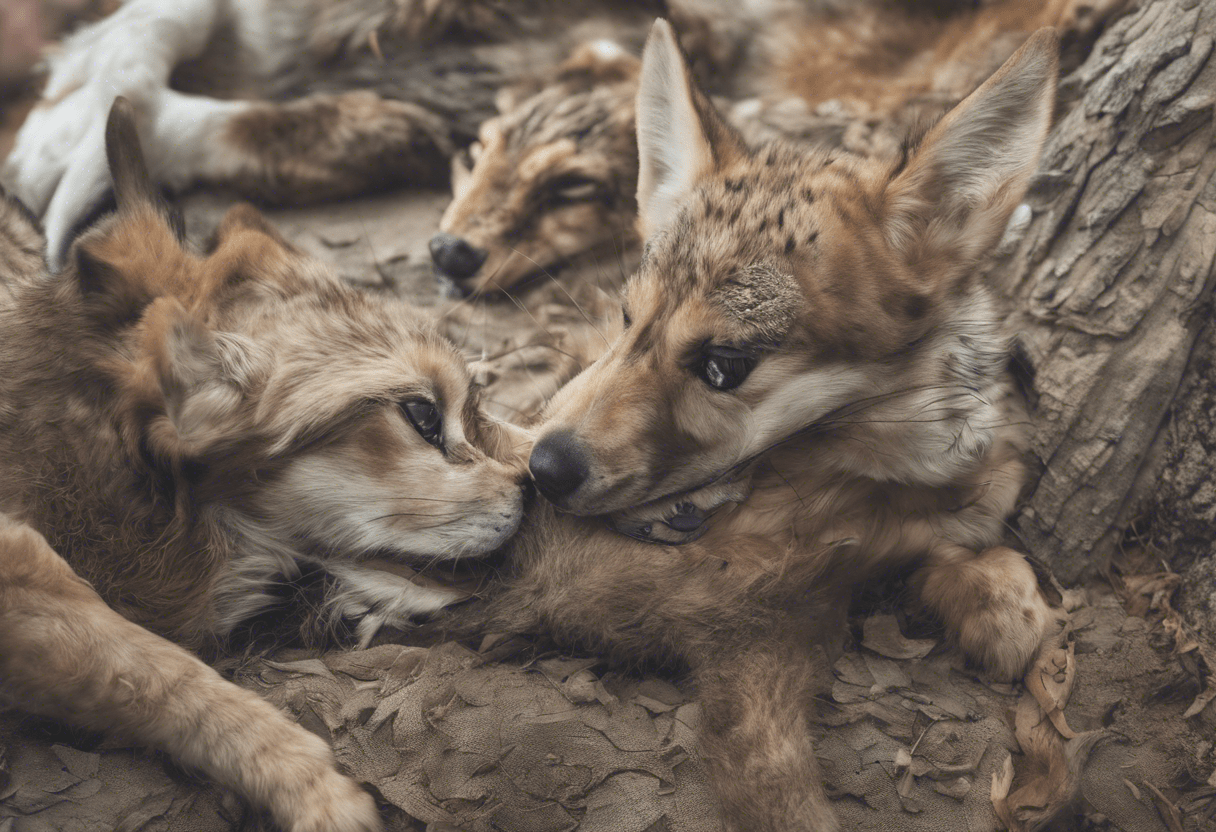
(877, 425)
(882, 60)
(554, 175)
(64, 653)
(881, 57)
(178, 433)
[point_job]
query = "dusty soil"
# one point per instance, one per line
(511, 736)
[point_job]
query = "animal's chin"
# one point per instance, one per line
(605, 506)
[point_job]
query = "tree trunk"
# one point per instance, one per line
(1110, 284)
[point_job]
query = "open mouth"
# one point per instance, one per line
(683, 517)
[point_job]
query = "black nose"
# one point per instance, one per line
(559, 464)
(455, 257)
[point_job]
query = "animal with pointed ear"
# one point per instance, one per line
(190, 442)
(815, 320)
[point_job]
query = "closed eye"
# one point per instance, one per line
(574, 188)
(425, 418)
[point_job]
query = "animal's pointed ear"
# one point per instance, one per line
(681, 138)
(953, 198)
(124, 261)
(133, 186)
(135, 191)
(186, 388)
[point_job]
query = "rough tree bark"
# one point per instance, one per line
(1111, 284)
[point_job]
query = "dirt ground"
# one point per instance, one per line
(509, 736)
(1116, 725)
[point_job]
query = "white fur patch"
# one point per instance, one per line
(608, 50)
(335, 505)
(672, 150)
(58, 166)
(379, 599)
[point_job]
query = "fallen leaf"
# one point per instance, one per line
(881, 634)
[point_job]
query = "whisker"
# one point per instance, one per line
(566, 292)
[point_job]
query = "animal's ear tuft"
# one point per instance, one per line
(959, 187)
(123, 261)
(681, 138)
(133, 185)
(187, 386)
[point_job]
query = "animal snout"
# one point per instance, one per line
(559, 465)
(456, 257)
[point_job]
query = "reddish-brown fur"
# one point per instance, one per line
(848, 282)
(178, 431)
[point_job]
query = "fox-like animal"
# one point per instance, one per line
(814, 323)
(287, 102)
(553, 177)
(552, 174)
(182, 436)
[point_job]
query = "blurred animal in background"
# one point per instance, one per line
(293, 102)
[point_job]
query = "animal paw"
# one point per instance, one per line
(58, 165)
(333, 804)
(375, 599)
(992, 604)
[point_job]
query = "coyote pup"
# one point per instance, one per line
(815, 322)
(181, 436)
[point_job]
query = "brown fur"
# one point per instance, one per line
(883, 60)
(882, 56)
(178, 432)
(878, 427)
(553, 175)
(330, 146)
(64, 653)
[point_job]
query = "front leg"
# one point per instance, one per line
(738, 610)
(65, 654)
(757, 740)
(991, 604)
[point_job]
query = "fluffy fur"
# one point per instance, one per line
(869, 404)
(180, 433)
(300, 101)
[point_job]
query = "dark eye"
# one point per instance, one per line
(725, 368)
(568, 189)
(628, 319)
(425, 418)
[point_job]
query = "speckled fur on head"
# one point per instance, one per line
(842, 280)
(811, 321)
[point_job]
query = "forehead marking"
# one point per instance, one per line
(762, 298)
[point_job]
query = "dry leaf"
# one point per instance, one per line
(1168, 811)
(881, 634)
(1001, 782)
